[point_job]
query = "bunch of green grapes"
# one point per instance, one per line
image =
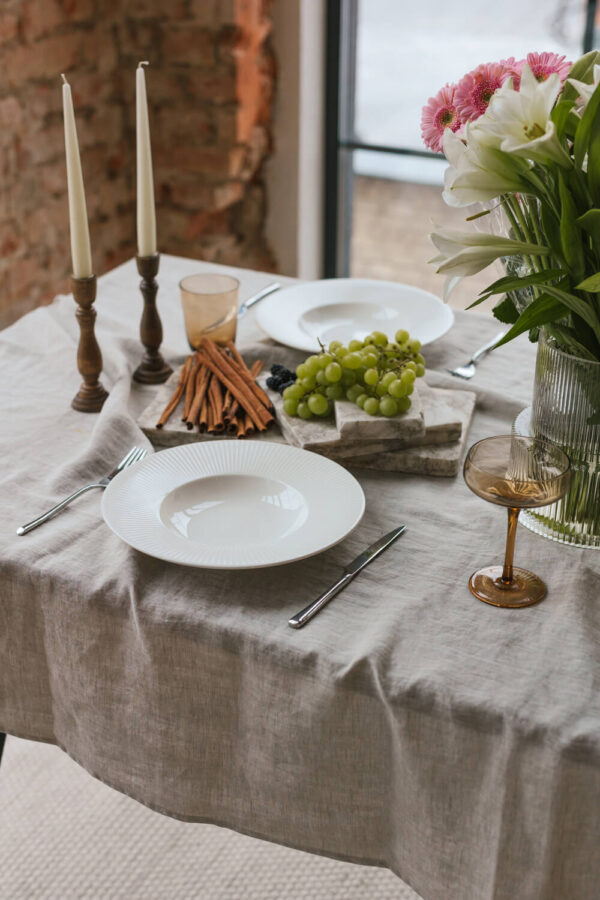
(376, 374)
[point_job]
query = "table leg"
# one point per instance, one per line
(2, 739)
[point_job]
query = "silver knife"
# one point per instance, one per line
(362, 560)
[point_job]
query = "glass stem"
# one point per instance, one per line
(507, 571)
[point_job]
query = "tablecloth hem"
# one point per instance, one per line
(209, 820)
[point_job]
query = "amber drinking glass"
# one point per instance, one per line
(519, 473)
(210, 307)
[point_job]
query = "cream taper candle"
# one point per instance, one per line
(146, 215)
(81, 253)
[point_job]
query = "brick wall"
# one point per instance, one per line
(210, 87)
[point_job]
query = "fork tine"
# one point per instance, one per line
(125, 461)
(137, 456)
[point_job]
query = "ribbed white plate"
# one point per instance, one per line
(345, 308)
(233, 504)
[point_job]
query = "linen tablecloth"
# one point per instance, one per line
(409, 725)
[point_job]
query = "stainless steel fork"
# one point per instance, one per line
(135, 455)
(468, 370)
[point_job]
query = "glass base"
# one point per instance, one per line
(524, 590)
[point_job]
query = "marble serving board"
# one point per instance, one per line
(420, 459)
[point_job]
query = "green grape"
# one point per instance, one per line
(388, 378)
(302, 370)
(348, 377)
(419, 358)
(408, 376)
(317, 404)
(369, 360)
(411, 365)
(370, 339)
(354, 392)
(355, 345)
(290, 406)
(410, 389)
(414, 346)
(321, 389)
(325, 359)
(371, 377)
(334, 391)
(333, 372)
(312, 364)
(308, 383)
(397, 388)
(381, 390)
(420, 370)
(402, 336)
(352, 360)
(321, 377)
(388, 406)
(293, 392)
(371, 406)
(404, 404)
(333, 346)
(341, 353)
(361, 400)
(380, 338)
(303, 410)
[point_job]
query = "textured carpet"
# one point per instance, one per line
(64, 835)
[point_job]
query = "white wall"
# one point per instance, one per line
(294, 174)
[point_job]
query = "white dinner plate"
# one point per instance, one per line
(233, 504)
(345, 308)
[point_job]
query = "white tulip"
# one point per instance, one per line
(586, 90)
(464, 253)
(521, 121)
(479, 172)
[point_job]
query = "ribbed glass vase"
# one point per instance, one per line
(566, 395)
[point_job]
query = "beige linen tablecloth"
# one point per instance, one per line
(409, 725)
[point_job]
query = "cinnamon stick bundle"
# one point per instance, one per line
(229, 374)
(255, 371)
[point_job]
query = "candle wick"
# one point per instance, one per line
(63, 78)
(144, 62)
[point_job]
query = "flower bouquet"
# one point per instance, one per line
(523, 138)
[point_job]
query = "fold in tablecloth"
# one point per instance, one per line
(408, 726)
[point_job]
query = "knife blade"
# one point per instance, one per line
(352, 569)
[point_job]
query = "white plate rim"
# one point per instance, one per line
(122, 480)
(297, 339)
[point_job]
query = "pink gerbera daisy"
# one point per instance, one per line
(544, 64)
(476, 89)
(438, 114)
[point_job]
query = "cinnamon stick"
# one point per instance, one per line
(221, 366)
(248, 425)
(241, 430)
(215, 403)
(232, 425)
(177, 393)
(189, 388)
(203, 415)
(255, 371)
(202, 376)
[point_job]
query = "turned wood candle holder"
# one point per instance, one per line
(91, 394)
(152, 369)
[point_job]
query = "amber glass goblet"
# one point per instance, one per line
(519, 473)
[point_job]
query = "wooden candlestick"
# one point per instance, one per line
(91, 394)
(152, 369)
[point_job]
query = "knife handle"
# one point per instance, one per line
(313, 608)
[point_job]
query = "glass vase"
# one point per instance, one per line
(566, 395)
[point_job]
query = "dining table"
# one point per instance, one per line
(408, 725)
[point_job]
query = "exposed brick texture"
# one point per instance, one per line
(210, 87)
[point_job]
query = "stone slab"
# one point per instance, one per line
(354, 424)
(442, 459)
